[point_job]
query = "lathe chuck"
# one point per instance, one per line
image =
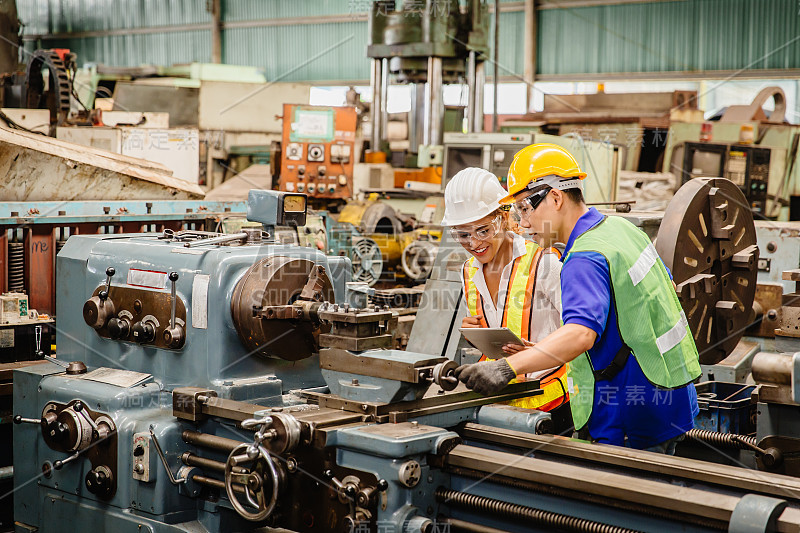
(272, 281)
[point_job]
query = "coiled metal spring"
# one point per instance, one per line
(16, 266)
(721, 440)
(529, 515)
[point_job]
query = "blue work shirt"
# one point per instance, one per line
(628, 405)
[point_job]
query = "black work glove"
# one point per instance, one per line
(486, 377)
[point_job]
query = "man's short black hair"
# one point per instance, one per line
(576, 195)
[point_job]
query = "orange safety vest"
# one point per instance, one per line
(517, 318)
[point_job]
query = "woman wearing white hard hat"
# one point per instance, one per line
(509, 281)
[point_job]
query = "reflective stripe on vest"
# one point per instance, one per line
(649, 316)
(517, 317)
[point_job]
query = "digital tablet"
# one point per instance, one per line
(490, 341)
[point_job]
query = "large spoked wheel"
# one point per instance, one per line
(708, 240)
(248, 483)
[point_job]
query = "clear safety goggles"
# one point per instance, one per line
(484, 232)
(527, 205)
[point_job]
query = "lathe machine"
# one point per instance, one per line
(210, 383)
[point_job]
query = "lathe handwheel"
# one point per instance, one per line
(443, 375)
(252, 482)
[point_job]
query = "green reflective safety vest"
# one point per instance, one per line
(649, 316)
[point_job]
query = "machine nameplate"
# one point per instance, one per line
(200, 301)
(147, 278)
(7, 338)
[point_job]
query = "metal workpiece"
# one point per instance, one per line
(707, 239)
(357, 329)
(776, 374)
(789, 314)
(773, 368)
(515, 418)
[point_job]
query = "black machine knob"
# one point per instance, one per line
(174, 336)
(119, 328)
(100, 481)
(143, 332)
(60, 433)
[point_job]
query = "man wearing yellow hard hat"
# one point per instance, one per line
(631, 354)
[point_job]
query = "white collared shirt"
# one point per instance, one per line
(546, 303)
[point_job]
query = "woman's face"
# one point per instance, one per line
(482, 238)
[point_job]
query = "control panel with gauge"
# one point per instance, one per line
(745, 165)
(318, 151)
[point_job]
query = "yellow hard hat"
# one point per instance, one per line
(537, 161)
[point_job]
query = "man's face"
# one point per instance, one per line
(537, 213)
(482, 238)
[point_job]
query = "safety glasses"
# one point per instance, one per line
(484, 232)
(526, 206)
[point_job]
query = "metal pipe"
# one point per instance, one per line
(528, 515)
(222, 239)
(211, 442)
(496, 58)
(216, 31)
(454, 524)
(384, 98)
(480, 85)
(416, 126)
(435, 112)
(774, 368)
(216, 483)
(471, 91)
(376, 80)
(6, 472)
(190, 459)
(529, 72)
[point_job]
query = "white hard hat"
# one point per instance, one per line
(472, 194)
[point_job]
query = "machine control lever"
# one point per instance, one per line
(99, 309)
(348, 490)
(163, 458)
(110, 271)
(38, 335)
(174, 334)
(19, 419)
(58, 465)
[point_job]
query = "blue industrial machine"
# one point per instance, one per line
(229, 383)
